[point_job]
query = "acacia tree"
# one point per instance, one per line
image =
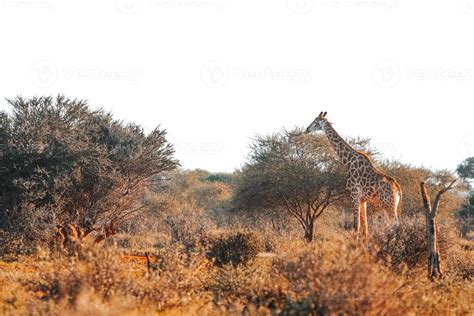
(293, 172)
(64, 163)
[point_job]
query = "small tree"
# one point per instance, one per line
(291, 171)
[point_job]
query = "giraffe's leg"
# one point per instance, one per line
(355, 198)
(363, 220)
(391, 199)
(390, 205)
(395, 206)
(356, 216)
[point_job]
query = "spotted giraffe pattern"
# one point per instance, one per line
(367, 184)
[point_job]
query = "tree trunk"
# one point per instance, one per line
(308, 232)
(434, 258)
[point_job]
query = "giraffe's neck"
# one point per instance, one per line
(345, 151)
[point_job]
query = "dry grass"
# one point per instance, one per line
(333, 275)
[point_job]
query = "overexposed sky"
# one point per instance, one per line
(214, 73)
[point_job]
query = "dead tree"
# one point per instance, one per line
(434, 259)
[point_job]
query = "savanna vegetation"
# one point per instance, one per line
(98, 218)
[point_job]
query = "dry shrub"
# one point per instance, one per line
(271, 226)
(177, 281)
(404, 243)
(13, 295)
(189, 228)
(14, 244)
(332, 276)
(340, 278)
(139, 243)
(400, 243)
(248, 285)
(236, 248)
(65, 278)
(187, 187)
(184, 206)
(457, 261)
(210, 195)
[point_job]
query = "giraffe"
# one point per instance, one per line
(367, 184)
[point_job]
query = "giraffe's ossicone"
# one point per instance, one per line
(366, 183)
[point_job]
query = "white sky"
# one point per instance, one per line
(216, 72)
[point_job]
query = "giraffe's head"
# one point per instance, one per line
(318, 123)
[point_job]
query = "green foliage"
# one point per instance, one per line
(466, 168)
(63, 162)
(219, 177)
(236, 248)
